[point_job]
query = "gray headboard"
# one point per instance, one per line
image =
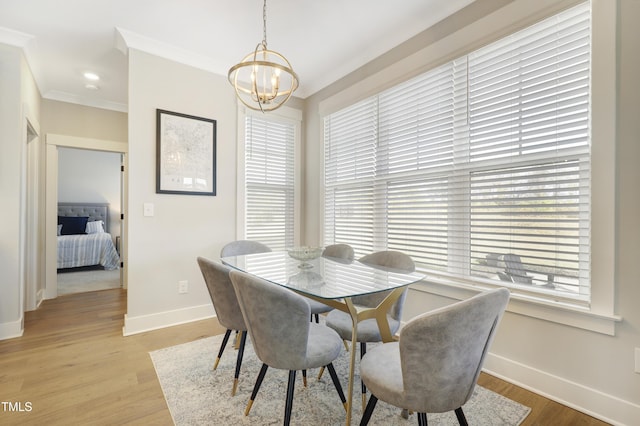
(95, 211)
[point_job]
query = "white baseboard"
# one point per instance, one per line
(143, 323)
(593, 402)
(9, 330)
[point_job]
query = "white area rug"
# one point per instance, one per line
(87, 280)
(197, 395)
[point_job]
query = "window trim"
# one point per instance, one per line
(293, 116)
(600, 315)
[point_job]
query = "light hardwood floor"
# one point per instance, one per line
(74, 367)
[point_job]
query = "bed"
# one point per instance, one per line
(84, 238)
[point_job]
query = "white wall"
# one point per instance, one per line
(590, 371)
(88, 176)
(10, 170)
(18, 95)
(64, 118)
(162, 249)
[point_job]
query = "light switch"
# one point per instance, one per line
(148, 209)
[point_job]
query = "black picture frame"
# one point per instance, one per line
(185, 154)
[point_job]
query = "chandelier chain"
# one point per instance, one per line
(264, 24)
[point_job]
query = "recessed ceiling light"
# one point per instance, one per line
(91, 76)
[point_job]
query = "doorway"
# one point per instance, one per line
(54, 143)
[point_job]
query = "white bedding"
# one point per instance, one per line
(86, 250)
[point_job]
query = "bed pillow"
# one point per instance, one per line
(94, 227)
(72, 225)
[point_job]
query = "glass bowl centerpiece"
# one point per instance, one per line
(304, 254)
(306, 279)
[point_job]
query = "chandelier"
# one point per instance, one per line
(264, 79)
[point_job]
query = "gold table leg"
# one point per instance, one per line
(352, 361)
(380, 315)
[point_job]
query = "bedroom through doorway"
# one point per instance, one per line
(89, 185)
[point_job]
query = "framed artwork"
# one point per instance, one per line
(185, 154)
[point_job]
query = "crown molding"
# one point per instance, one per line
(126, 40)
(14, 38)
(56, 95)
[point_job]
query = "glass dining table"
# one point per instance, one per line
(334, 282)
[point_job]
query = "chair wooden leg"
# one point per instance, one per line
(336, 383)
(461, 418)
(243, 340)
(366, 415)
(289, 403)
(256, 387)
(422, 419)
(225, 339)
(304, 378)
(236, 341)
(320, 372)
(317, 317)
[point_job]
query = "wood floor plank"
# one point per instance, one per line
(543, 411)
(74, 367)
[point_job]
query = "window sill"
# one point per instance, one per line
(523, 304)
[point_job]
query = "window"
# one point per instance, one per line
(269, 180)
(480, 168)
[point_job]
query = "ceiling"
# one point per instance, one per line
(323, 39)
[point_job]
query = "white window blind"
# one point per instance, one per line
(350, 163)
(269, 180)
(478, 168)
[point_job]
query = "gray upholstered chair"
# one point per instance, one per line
(282, 335)
(339, 253)
(225, 303)
(368, 330)
(435, 365)
(240, 247)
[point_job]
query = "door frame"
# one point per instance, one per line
(53, 142)
(30, 278)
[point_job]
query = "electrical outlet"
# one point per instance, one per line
(637, 369)
(183, 287)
